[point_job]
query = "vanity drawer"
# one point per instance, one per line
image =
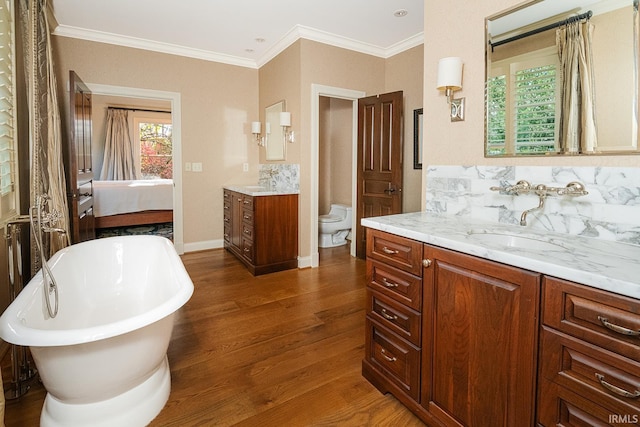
(602, 318)
(398, 359)
(247, 231)
(247, 202)
(559, 406)
(400, 252)
(397, 284)
(247, 249)
(247, 215)
(395, 316)
(594, 373)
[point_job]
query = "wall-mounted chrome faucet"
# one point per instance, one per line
(573, 189)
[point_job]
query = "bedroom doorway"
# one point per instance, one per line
(160, 99)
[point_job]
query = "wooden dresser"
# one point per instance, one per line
(262, 231)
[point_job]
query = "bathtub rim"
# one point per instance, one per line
(13, 331)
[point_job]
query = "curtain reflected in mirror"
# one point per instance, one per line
(562, 79)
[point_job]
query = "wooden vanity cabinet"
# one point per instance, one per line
(452, 336)
(262, 231)
(480, 323)
(590, 357)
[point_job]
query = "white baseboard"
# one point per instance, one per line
(203, 246)
(305, 262)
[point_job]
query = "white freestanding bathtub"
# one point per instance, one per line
(103, 357)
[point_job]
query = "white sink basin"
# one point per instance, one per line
(516, 241)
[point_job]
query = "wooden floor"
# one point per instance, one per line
(283, 349)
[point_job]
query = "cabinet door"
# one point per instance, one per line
(236, 221)
(479, 341)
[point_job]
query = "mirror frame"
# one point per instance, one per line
(632, 150)
(418, 125)
(275, 147)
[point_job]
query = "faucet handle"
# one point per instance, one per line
(574, 188)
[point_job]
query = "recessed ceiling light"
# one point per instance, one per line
(260, 40)
(400, 13)
(248, 50)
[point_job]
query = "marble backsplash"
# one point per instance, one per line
(611, 210)
(280, 177)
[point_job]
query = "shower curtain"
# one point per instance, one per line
(47, 176)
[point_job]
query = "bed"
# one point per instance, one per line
(136, 202)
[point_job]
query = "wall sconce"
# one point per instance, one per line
(285, 122)
(450, 80)
(256, 130)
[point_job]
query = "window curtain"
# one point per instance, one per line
(119, 161)
(47, 176)
(636, 49)
(577, 129)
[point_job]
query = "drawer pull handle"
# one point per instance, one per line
(619, 329)
(426, 263)
(388, 316)
(246, 217)
(617, 390)
(246, 202)
(389, 359)
(388, 284)
(388, 251)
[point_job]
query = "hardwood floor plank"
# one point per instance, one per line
(279, 349)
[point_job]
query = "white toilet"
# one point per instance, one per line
(335, 227)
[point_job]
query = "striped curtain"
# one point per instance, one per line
(47, 166)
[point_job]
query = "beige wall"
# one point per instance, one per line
(404, 72)
(220, 101)
(218, 104)
(462, 143)
(335, 153)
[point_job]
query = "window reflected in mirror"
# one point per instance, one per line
(561, 78)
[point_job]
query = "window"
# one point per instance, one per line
(152, 133)
(8, 163)
(523, 93)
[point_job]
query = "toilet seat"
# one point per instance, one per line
(329, 218)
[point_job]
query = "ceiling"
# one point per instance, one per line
(243, 32)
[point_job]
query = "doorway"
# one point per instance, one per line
(352, 96)
(174, 99)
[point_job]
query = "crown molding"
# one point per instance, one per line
(293, 35)
(137, 43)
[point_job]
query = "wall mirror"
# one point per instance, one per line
(275, 143)
(530, 111)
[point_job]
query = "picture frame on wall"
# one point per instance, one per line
(417, 138)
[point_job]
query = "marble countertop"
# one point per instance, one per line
(602, 264)
(257, 190)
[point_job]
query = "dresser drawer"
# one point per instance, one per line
(395, 316)
(594, 373)
(602, 318)
(400, 252)
(398, 359)
(397, 284)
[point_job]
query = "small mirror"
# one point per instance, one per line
(529, 108)
(275, 143)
